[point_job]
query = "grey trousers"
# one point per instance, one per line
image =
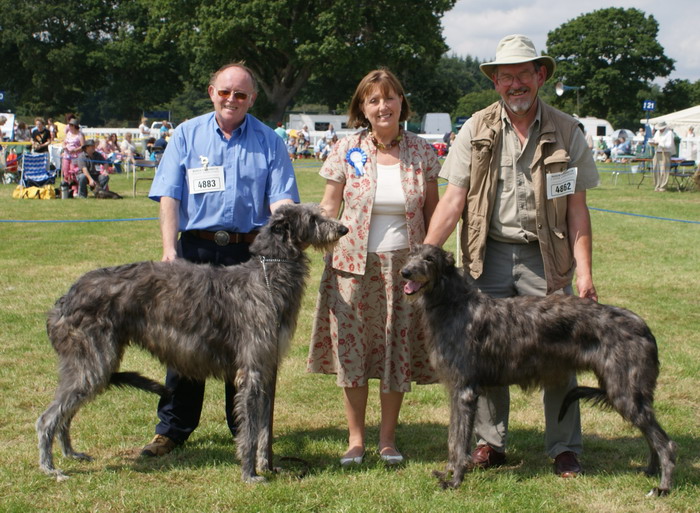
(517, 270)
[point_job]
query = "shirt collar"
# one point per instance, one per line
(236, 133)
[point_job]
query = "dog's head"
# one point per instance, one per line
(300, 225)
(426, 265)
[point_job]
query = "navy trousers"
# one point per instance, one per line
(179, 414)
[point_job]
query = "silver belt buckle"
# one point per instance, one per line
(222, 238)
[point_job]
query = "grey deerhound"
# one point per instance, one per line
(232, 323)
(479, 341)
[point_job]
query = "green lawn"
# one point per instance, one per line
(644, 263)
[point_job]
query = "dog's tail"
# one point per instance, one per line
(597, 395)
(136, 380)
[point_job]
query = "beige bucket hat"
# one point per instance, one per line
(516, 49)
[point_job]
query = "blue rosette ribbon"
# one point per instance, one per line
(357, 159)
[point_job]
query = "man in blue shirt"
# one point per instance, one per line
(221, 176)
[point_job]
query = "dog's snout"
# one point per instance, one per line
(405, 272)
(343, 230)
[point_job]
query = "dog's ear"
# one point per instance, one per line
(449, 259)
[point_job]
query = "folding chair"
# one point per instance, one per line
(35, 170)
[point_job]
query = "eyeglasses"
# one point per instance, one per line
(523, 77)
(238, 95)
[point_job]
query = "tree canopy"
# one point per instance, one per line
(112, 58)
(613, 54)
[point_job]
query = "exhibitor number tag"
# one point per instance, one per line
(561, 184)
(206, 179)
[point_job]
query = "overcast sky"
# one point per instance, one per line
(474, 27)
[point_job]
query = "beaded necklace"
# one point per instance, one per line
(382, 146)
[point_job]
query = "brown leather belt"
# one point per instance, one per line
(224, 238)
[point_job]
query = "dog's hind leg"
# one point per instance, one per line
(662, 454)
(56, 420)
(638, 410)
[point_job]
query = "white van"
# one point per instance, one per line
(436, 123)
(598, 129)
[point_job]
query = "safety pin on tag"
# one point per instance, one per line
(204, 160)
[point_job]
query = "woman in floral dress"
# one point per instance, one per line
(385, 180)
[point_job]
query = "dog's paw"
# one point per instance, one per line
(442, 478)
(254, 479)
(658, 492)
(79, 456)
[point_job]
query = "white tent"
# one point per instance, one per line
(680, 121)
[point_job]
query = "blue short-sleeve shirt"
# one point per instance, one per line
(256, 169)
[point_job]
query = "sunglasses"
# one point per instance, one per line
(238, 95)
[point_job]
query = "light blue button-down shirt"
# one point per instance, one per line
(257, 172)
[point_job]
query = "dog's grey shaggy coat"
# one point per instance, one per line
(232, 323)
(480, 341)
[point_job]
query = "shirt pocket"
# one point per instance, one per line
(506, 174)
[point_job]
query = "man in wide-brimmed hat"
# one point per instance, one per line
(519, 170)
(664, 145)
(90, 164)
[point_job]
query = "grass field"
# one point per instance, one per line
(645, 262)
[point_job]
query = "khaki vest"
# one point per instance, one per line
(550, 157)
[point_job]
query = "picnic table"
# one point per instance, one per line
(631, 165)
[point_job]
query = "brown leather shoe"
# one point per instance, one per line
(159, 446)
(566, 464)
(485, 456)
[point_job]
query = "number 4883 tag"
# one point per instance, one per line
(206, 179)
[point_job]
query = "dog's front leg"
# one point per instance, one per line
(248, 405)
(462, 413)
(264, 455)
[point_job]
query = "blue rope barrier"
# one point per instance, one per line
(644, 215)
(77, 220)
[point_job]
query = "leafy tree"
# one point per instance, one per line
(614, 54)
(475, 101)
(85, 56)
(287, 42)
(678, 95)
(439, 88)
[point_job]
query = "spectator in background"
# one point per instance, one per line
(23, 134)
(90, 164)
(72, 147)
(330, 133)
(41, 137)
(292, 147)
(622, 147)
(321, 143)
(304, 132)
(281, 131)
(144, 129)
(3, 120)
(664, 145)
(127, 147)
(53, 129)
(303, 147)
(161, 143)
(328, 148)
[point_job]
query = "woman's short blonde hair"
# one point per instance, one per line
(387, 82)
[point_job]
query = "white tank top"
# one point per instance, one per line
(387, 229)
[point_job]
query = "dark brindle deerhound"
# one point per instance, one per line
(480, 341)
(232, 323)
